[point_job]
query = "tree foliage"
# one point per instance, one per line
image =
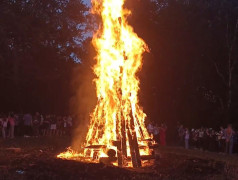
(189, 40)
(40, 40)
(190, 74)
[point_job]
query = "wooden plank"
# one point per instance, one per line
(123, 140)
(136, 148)
(132, 150)
(135, 142)
(118, 144)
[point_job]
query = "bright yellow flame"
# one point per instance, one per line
(119, 58)
(69, 154)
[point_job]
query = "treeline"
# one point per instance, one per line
(190, 74)
(40, 44)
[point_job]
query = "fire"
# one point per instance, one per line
(70, 153)
(117, 117)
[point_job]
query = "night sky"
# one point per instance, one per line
(87, 1)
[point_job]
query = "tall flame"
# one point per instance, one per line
(119, 58)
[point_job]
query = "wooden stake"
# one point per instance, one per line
(123, 140)
(135, 142)
(132, 150)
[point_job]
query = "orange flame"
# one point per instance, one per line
(119, 58)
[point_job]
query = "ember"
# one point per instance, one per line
(117, 122)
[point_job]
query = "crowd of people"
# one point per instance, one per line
(34, 125)
(222, 140)
(27, 125)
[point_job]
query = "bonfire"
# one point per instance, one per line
(117, 133)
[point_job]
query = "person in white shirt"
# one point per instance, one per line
(201, 138)
(156, 133)
(150, 128)
(4, 127)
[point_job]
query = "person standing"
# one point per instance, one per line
(11, 121)
(150, 128)
(201, 138)
(186, 138)
(229, 134)
(156, 133)
(53, 126)
(221, 139)
(27, 118)
(36, 124)
(4, 127)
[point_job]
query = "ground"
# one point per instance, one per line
(35, 159)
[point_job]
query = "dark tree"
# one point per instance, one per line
(41, 41)
(190, 74)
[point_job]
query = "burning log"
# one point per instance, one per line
(123, 139)
(110, 159)
(95, 147)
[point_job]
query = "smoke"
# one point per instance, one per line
(84, 98)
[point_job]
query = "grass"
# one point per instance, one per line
(195, 153)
